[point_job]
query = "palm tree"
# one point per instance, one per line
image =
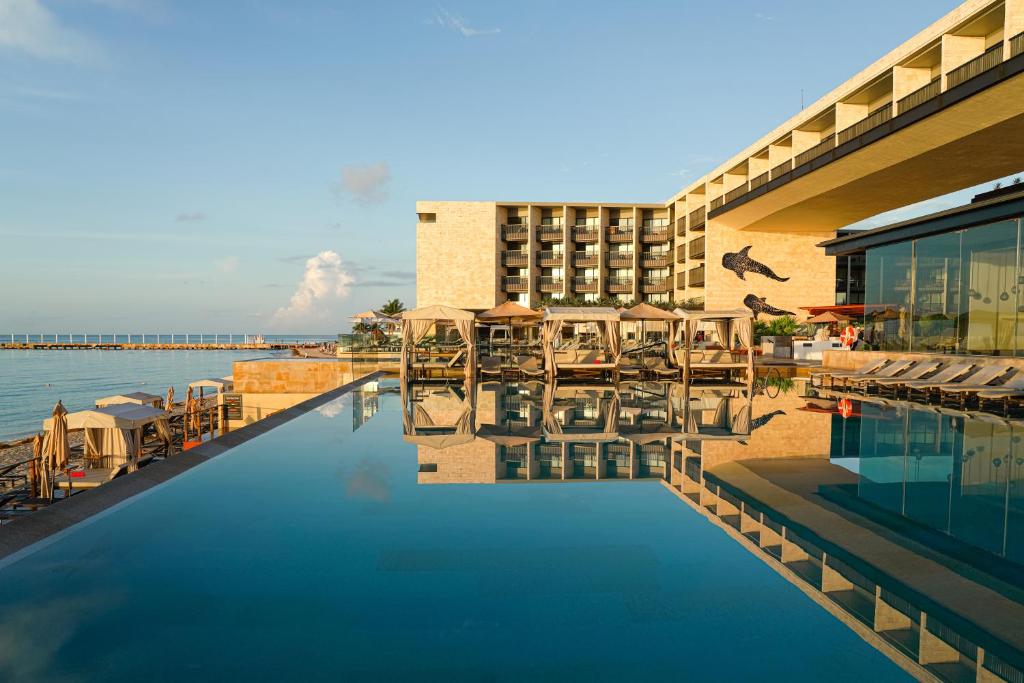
(393, 308)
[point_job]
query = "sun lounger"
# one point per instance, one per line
(657, 367)
(919, 371)
(948, 375)
(891, 370)
(529, 366)
(867, 368)
(627, 368)
(490, 366)
(987, 377)
(1011, 389)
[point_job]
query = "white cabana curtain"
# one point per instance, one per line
(741, 420)
(612, 340)
(611, 418)
(467, 330)
(412, 332)
(722, 330)
(745, 331)
(550, 330)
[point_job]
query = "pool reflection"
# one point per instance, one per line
(902, 521)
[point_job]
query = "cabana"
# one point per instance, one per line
(219, 385)
(727, 325)
(114, 434)
(643, 313)
(448, 419)
(415, 326)
(562, 421)
(605, 319)
(716, 415)
(505, 318)
(139, 398)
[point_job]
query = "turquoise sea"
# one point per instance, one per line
(32, 381)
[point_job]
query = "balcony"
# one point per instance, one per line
(696, 278)
(826, 145)
(620, 285)
(515, 232)
(585, 284)
(586, 258)
(585, 234)
(620, 259)
(873, 120)
(758, 181)
(717, 203)
(1017, 45)
(736, 193)
(681, 253)
(515, 258)
(697, 218)
(654, 285)
(681, 226)
(782, 169)
(990, 59)
(550, 233)
(655, 259)
(515, 283)
(619, 233)
(550, 258)
(655, 233)
(919, 96)
(546, 283)
(680, 280)
(697, 248)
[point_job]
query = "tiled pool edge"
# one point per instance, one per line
(43, 524)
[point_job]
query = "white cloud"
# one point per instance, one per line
(368, 184)
(325, 281)
(28, 27)
(455, 22)
(228, 264)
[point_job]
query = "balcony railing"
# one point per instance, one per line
(618, 233)
(697, 248)
(873, 120)
(654, 285)
(620, 259)
(681, 253)
(585, 284)
(680, 280)
(586, 258)
(1017, 45)
(698, 218)
(585, 233)
(991, 58)
(736, 193)
(655, 233)
(547, 283)
(515, 283)
(515, 258)
(696, 278)
(681, 226)
(826, 145)
(654, 259)
(620, 285)
(717, 202)
(758, 181)
(782, 169)
(550, 233)
(550, 258)
(515, 232)
(919, 96)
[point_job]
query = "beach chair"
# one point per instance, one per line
(919, 371)
(987, 377)
(1010, 390)
(529, 366)
(947, 375)
(891, 370)
(490, 366)
(629, 368)
(656, 366)
(867, 368)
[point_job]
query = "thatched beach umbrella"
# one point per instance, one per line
(169, 401)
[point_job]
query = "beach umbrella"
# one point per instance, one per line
(829, 317)
(510, 313)
(37, 480)
(169, 401)
(56, 449)
(642, 313)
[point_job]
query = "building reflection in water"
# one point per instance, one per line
(365, 404)
(903, 522)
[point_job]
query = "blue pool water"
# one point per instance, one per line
(31, 382)
(332, 547)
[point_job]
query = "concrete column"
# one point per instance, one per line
(637, 271)
(750, 520)
(603, 219)
(888, 618)
(1014, 23)
(791, 552)
(849, 114)
(906, 81)
(958, 50)
(932, 649)
(533, 220)
(831, 580)
(803, 140)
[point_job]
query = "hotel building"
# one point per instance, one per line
(943, 111)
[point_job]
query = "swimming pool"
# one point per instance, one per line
(512, 532)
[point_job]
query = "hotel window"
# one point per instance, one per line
(548, 219)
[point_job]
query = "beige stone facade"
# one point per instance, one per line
(896, 133)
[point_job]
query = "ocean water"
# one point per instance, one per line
(32, 381)
(162, 338)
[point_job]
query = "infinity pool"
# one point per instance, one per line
(379, 538)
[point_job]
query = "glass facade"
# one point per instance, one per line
(954, 292)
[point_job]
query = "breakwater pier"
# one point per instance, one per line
(156, 342)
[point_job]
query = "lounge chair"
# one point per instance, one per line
(657, 367)
(891, 370)
(628, 368)
(1009, 390)
(490, 366)
(529, 366)
(867, 368)
(987, 377)
(947, 375)
(919, 371)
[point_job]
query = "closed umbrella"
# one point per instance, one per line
(56, 449)
(37, 479)
(169, 401)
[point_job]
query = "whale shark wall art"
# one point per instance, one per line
(740, 263)
(759, 304)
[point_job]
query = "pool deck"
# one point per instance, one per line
(55, 518)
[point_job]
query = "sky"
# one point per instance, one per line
(252, 166)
